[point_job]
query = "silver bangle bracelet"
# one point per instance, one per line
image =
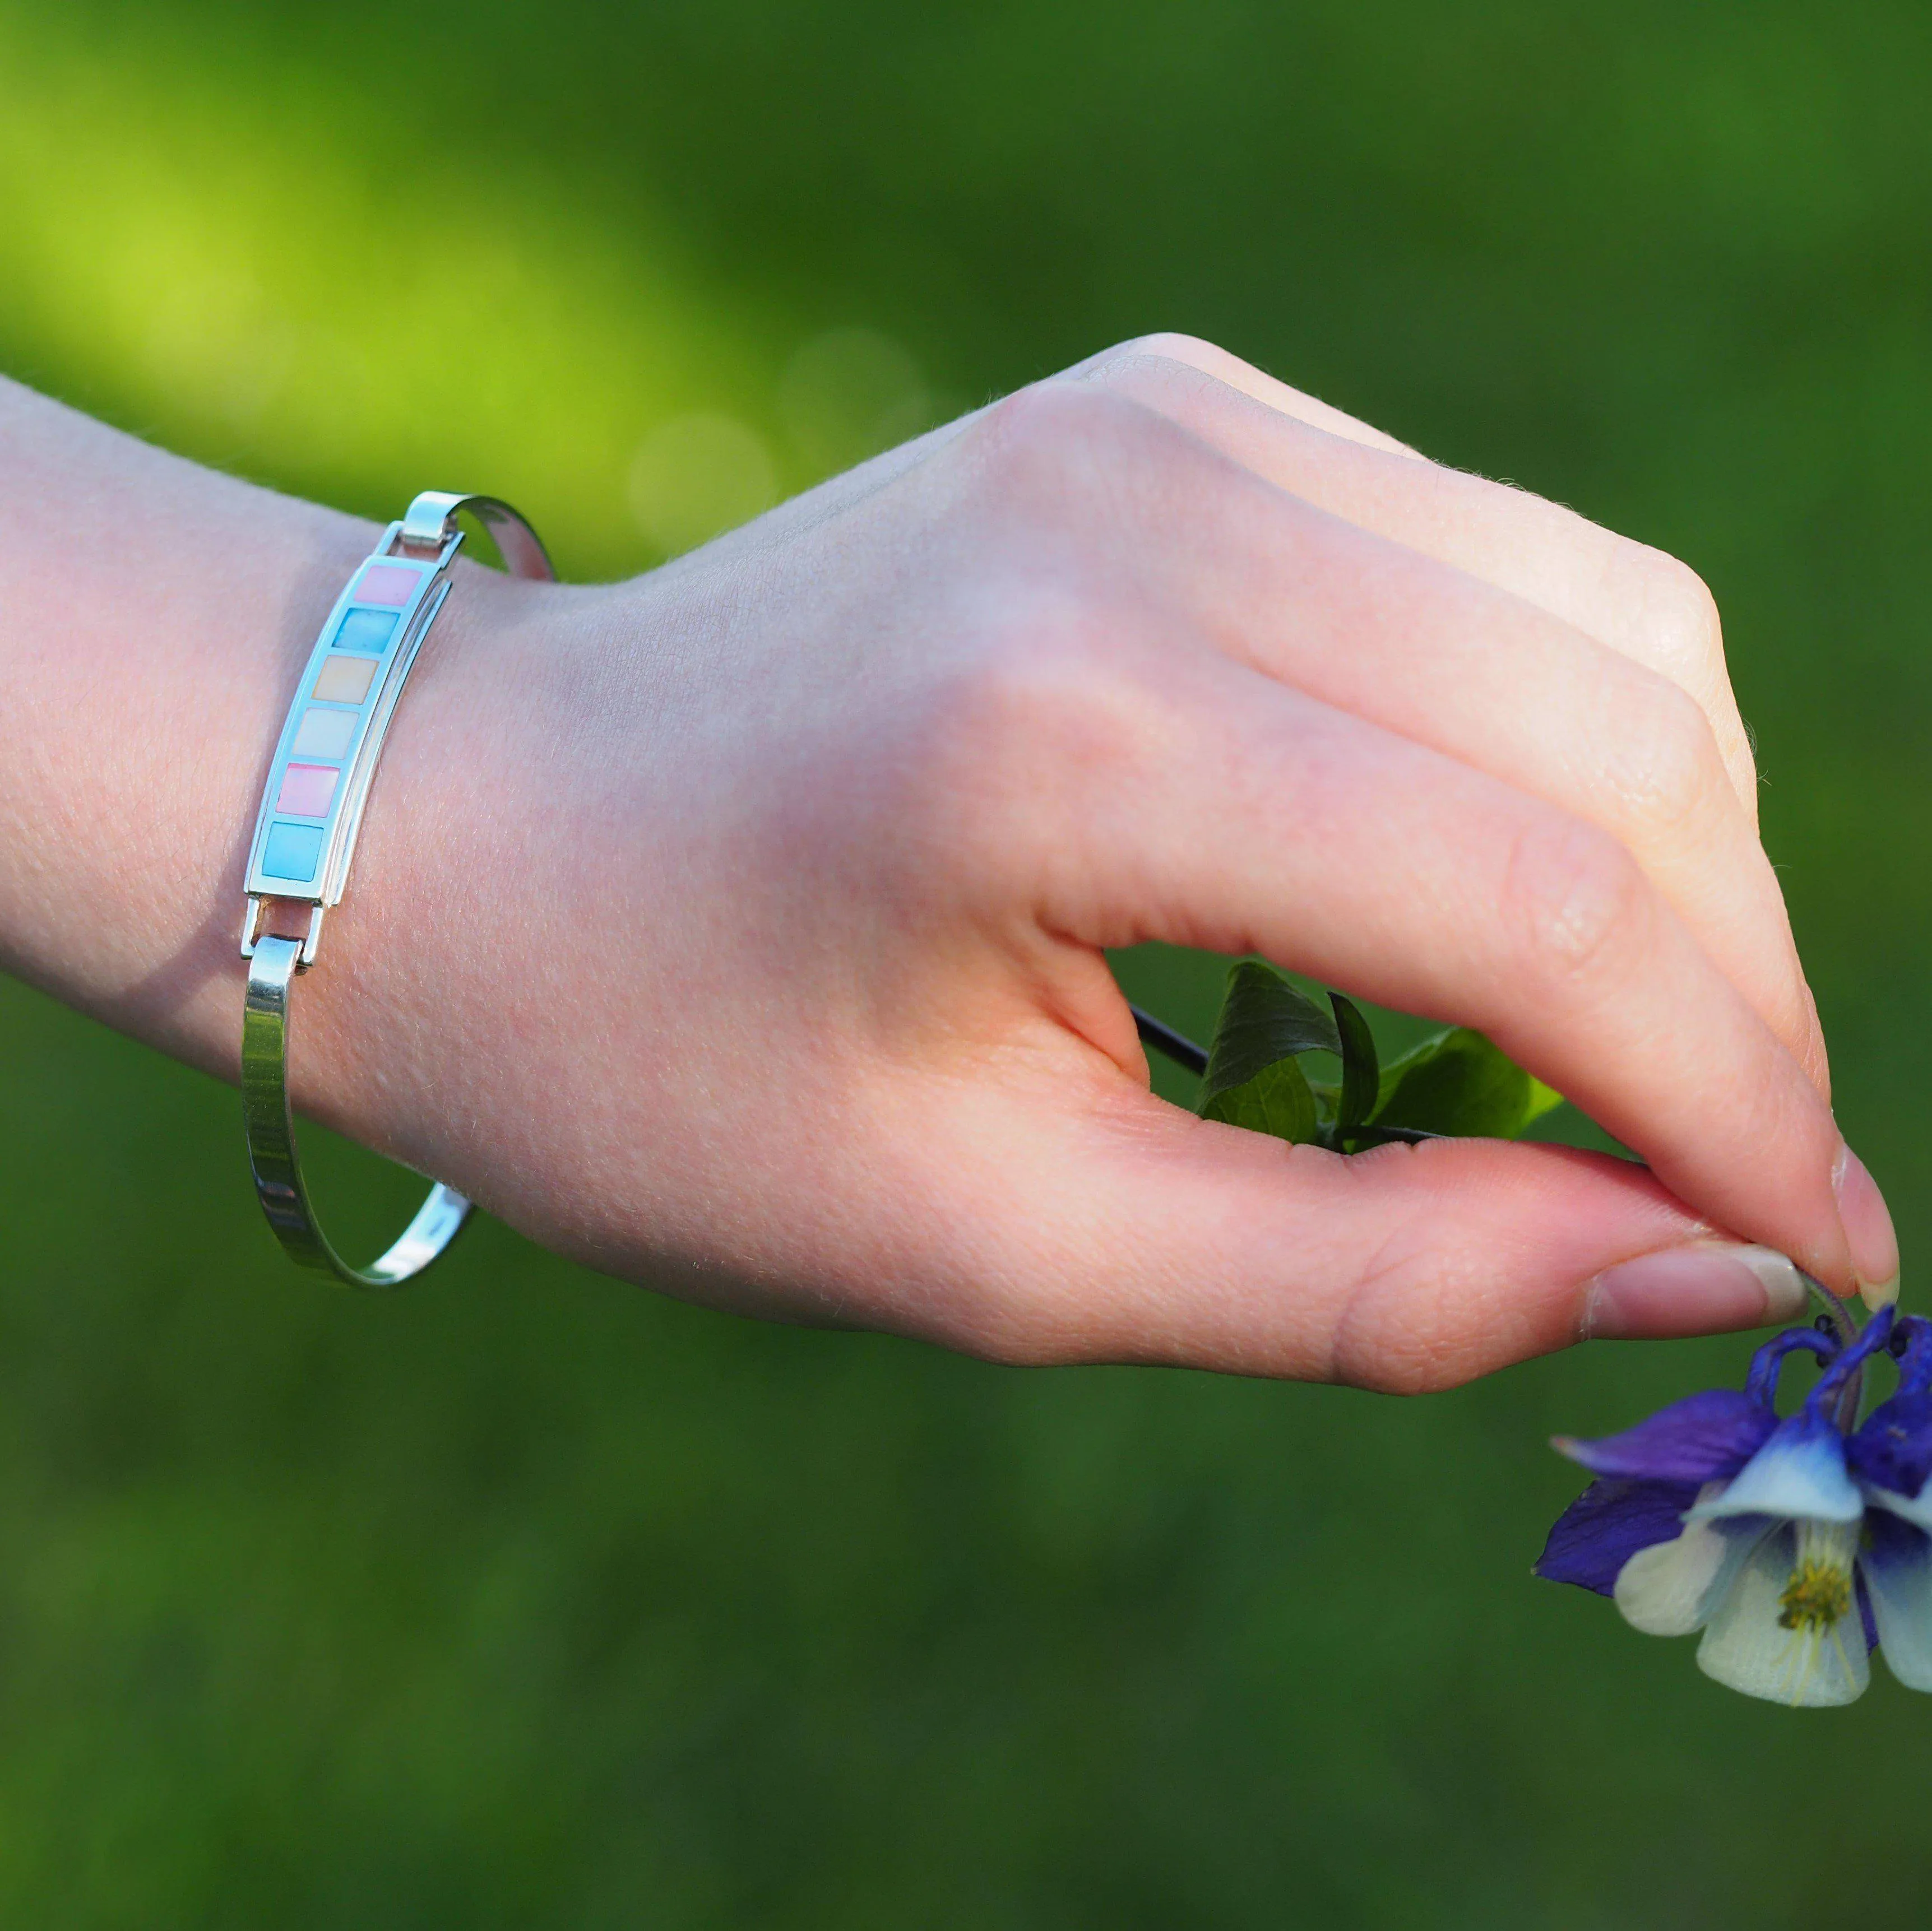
(305, 834)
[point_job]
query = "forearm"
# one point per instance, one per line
(157, 615)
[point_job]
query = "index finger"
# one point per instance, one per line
(1189, 799)
(1635, 599)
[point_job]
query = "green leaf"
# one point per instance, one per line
(1264, 1019)
(1253, 1078)
(1277, 1100)
(1361, 1067)
(1458, 1083)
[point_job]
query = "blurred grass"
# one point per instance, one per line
(528, 1599)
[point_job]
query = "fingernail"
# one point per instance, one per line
(1712, 1288)
(1868, 1229)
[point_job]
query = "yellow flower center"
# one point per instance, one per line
(1818, 1594)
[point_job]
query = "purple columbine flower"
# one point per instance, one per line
(1796, 1546)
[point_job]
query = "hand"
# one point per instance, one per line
(739, 929)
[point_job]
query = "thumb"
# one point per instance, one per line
(1136, 1232)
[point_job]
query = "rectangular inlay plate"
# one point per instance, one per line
(326, 758)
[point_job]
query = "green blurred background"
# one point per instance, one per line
(530, 1598)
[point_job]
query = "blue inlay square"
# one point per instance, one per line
(292, 852)
(366, 630)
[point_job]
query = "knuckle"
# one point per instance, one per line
(1164, 345)
(1174, 344)
(1686, 608)
(1039, 711)
(1029, 448)
(1048, 700)
(1684, 637)
(1574, 900)
(1676, 610)
(1664, 766)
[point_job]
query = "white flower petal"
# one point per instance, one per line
(1798, 1473)
(1671, 1588)
(1916, 1510)
(1761, 1640)
(1900, 1582)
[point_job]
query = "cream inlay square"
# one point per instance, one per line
(345, 679)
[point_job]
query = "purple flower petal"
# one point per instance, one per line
(1767, 1363)
(1877, 1333)
(1704, 1437)
(1607, 1525)
(1914, 1369)
(1893, 1450)
(1895, 1566)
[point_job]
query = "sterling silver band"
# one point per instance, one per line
(305, 833)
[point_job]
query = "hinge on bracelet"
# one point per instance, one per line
(251, 930)
(399, 543)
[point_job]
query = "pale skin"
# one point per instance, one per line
(738, 929)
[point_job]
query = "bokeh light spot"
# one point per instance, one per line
(696, 475)
(849, 393)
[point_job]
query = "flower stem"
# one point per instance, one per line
(1384, 1136)
(1163, 1039)
(1834, 1309)
(1851, 1396)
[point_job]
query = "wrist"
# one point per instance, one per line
(402, 1006)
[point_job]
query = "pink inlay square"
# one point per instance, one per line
(389, 584)
(306, 789)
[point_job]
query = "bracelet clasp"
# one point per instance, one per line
(251, 930)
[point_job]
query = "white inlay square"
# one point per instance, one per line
(324, 733)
